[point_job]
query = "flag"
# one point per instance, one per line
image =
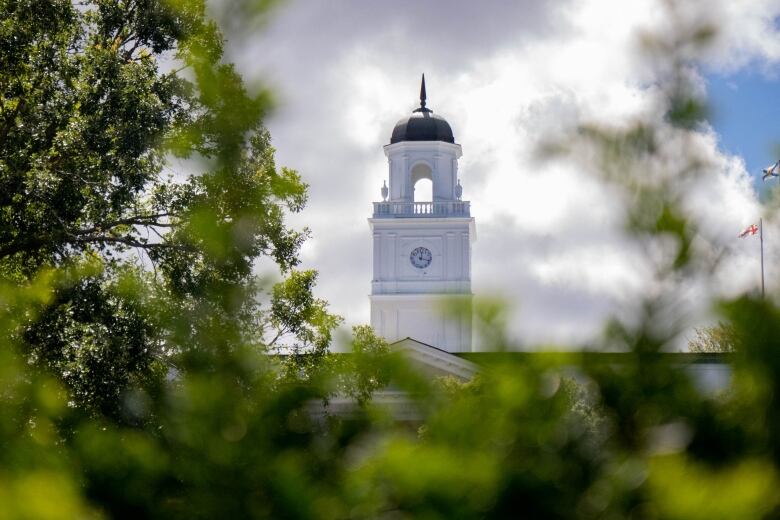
(752, 229)
(771, 171)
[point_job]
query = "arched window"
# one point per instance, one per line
(422, 180)
(423, 191)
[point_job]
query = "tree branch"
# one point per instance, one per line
(91, 239)
(136, 220)
(281, 332)
(95, 235)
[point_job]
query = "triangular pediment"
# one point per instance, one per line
(435, 361)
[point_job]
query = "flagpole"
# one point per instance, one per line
(761, 236)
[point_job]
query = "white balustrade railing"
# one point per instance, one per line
(447, 208)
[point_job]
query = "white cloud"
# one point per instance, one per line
(747, 35)
(550, 235)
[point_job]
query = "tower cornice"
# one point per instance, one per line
(420, 146)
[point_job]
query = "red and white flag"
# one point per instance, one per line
(752, 229)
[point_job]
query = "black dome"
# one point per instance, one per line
(422, 125)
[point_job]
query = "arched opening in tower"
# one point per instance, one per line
(422, 180)
(423, 191)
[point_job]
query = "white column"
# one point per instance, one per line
(377, 257)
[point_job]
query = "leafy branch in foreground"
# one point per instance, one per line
(96, 99)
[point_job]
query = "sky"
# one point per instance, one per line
(509, 76)
(745, 108)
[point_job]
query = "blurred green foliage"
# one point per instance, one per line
(718, 338)
(143, 386)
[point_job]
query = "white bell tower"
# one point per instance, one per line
(422, 248)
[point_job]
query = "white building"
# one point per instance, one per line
(422, 248)
(422, 259)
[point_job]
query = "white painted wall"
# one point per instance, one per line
(424, 318)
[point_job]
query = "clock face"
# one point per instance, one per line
(421, 257)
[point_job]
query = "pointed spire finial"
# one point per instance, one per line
(423, 96)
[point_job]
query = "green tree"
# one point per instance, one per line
(95, 100)
(226, 437)
(719, 338)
